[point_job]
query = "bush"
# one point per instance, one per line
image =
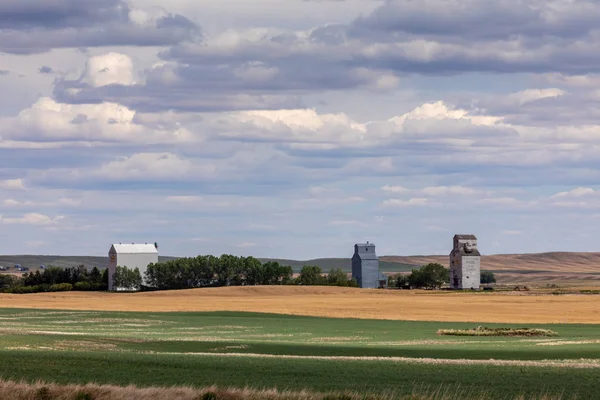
(22, 289)
(60, 287)
(487, 277)
(89, 286)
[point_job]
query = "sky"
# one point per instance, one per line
(297, 128)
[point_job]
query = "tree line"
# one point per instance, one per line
(182, 273)
(56, 279)
(211, 271)
(226, 270)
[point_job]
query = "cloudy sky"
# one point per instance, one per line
(296, 128)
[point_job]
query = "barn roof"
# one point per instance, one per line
(134, 248)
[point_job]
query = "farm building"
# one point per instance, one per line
(365, 267)
(131, 256)
(465, 269)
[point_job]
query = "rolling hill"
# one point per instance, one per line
(541, 268)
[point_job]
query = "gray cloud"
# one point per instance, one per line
(477, 20)
(45, 70)
(34, 26)
(4, 72)
(35, 14)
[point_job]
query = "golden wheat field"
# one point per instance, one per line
(506, 307)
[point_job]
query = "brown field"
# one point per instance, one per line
(507, 307)
(528, 269)
(557, 262)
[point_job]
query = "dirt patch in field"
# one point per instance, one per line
(582, 363)
(83, 345)
(333, 302)
(567, 342)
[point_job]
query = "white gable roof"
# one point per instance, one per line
(135, 248)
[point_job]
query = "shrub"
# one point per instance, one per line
(60, 287)
(22, 289)
(89, 286)
(487, 277)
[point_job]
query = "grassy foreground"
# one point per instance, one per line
(41, 390)
(265, 351)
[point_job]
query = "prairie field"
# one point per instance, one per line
(418, 305)
(293, 353)
(299, 342)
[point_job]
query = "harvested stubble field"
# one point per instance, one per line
(499, 307)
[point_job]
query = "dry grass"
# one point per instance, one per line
(483, 331)
(44, 391)
(506, 307)
(561, 262)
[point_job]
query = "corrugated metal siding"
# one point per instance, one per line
(131, 256)
(365, 266)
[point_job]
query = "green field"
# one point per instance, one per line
(321, 354)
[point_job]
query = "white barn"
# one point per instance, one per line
(131, 256)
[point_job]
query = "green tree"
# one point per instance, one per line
(95, 275)
(311, 275)
(429, 276)
(105, 278)
(402, 281)
(487, 277)
(8, 281)
(275, 274)
(253, 270)
(337, 277)
(128, 279)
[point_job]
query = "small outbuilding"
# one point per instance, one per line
(365, 267)
(131, 256)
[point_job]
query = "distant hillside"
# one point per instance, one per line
(34, 262)
(560, 262)
(345, 264)
(542, 268)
